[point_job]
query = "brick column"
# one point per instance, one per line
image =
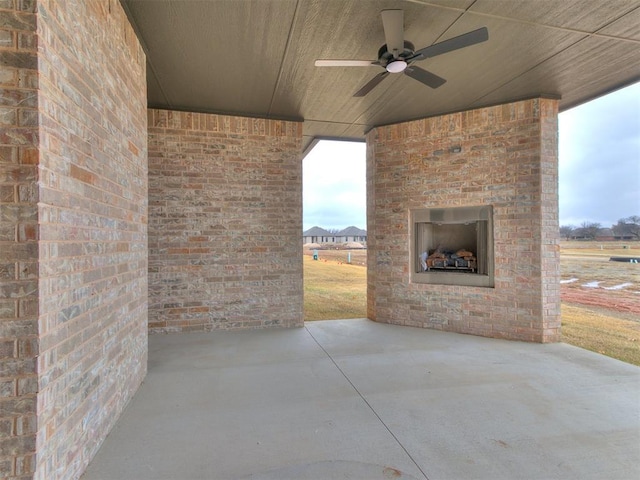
(73, 220)
(18, 239)
(504, 156)
(549, 226)
(93, 228)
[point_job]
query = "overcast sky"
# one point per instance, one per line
(599, 150)
(334, 192)
(600, 159)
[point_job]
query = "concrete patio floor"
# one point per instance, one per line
(353, 399)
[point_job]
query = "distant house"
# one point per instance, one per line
(321, 236)
(318, 235)
(352, 234)
(602, 235)
(605, 235)
(625, 237)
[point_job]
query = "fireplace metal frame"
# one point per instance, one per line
(454, 215)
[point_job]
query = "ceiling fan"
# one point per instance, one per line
(398, 55)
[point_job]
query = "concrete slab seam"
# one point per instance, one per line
(367, 403)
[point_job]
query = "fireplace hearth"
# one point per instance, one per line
(453, 246)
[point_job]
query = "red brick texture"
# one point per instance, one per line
(508, 159)
(18, 238)
(225, 216)
(73, 177)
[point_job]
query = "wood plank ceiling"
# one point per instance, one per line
(256, 57)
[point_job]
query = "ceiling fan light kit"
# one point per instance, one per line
(398, 54)
(396, 66)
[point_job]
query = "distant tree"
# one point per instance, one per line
(590, 229)
(629, 226)
(566, 231)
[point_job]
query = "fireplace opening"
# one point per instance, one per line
(453, 246)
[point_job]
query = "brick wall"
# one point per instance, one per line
(508, 159)
(18, 238)
(225, 216)
(91, 228)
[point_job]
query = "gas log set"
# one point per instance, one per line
(443, 259)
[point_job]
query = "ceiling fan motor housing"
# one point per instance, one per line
(385, 57)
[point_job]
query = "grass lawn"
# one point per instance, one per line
(334, 289)
(601, 332)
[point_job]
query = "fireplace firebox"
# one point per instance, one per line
(453, 246)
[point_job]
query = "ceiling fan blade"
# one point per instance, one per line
(393, 24)
(465, 40)
(429, 79)
(371, 84)
(344, 63)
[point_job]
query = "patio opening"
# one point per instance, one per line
(334, 233)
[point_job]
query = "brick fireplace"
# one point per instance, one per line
(478, 181)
